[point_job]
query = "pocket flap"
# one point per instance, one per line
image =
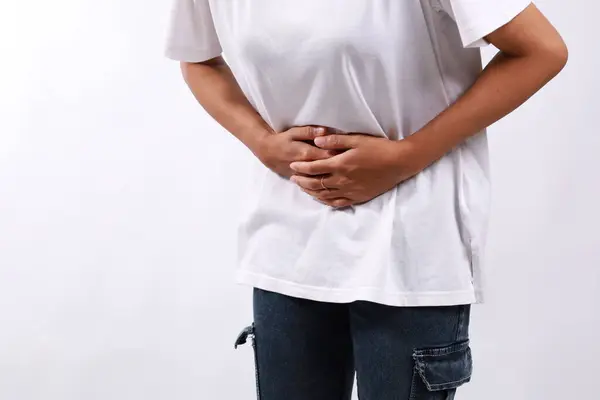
(443, 368)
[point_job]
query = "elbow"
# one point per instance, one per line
(561, 55)
(556, 56)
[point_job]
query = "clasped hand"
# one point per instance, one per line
(342, 170)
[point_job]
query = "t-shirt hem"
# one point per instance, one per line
(187, 54)
(348, 295)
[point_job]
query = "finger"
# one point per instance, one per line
(312, 153)
(337, 142)
(339, 202)
(322, 195)
(306, 182)
(329, 197)
(317, 167)
(307, 132)
(314, 183)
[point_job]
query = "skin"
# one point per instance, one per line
(357, 167)
(216, 89)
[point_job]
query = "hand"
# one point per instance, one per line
(276, 151)
(368, 167)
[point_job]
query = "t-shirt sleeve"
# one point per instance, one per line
(478, 18)
(191, 35)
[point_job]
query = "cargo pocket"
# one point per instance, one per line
(249, 333)
(439, 371)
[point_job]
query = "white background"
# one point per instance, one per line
(118, 205)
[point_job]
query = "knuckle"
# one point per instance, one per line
(285, 154)
(323, 154)
(347, 169)
(310, 185)
(316, 131)
(345, 181)
(305, 154)
(315, 154)
(301, 154)
(287, 134)
(301, 181)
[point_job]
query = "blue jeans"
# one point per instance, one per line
(308, 350)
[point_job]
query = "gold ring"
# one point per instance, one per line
(322, 184)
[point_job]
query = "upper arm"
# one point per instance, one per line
(476, 19)
(515, 27)
(529, 32)
(192, 36)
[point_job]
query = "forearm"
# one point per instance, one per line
(504, 85)
(531, 53)
(216, 89)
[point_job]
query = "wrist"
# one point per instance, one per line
(256, 139)
(426, 147)
(411, 156)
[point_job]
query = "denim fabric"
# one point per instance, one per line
(307, 350)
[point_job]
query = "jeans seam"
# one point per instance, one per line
(422, 353)
(417, 354)
(461, 312)
(436, 386)
(256, 369)
(416, 375)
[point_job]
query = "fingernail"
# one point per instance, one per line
(320, 141)
(320, 131)
(293, 166)
(293, 179)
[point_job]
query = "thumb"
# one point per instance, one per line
(336, 142)
(307, 132)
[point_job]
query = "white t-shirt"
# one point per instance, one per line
(380, 67)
